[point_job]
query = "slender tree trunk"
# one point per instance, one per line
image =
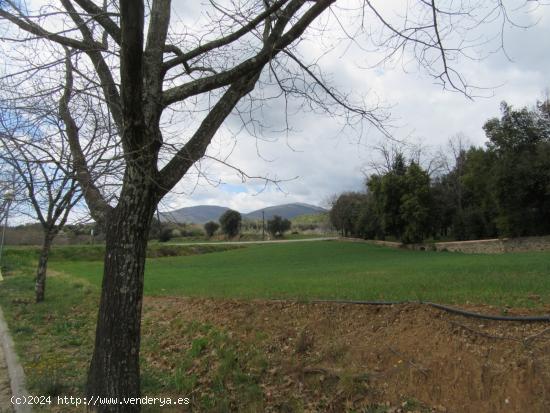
(40, 284)
(114, 369)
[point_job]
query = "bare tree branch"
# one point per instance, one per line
(102, 17)
(106, 78)
(98, 205)
(195, 148)
(272, 46)
(183, 58)
(32, 28)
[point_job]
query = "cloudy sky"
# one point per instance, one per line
(316, 159)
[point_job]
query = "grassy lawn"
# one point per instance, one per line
(343, 270)
(54, 341)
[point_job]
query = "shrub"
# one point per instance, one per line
(165, 235)
(277, 226)
(210, 228)
(230, 222)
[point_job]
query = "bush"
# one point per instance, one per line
(230, 223)
(277, 226)
(165, 235)
(210, 228)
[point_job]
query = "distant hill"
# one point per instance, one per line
(199, 214)
(203, 213)
(287, 211)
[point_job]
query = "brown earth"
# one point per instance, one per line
(343, 357)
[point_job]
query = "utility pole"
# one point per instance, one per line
(263, 225)
(8, 196)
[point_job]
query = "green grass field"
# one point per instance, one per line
(343, 270)
(54, 339)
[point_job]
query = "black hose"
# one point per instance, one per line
(453, 310)
(489, 316)
(362, 302)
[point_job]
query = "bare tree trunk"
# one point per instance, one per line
(40, 284)
(114, 369)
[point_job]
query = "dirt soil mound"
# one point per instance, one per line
(343, 357)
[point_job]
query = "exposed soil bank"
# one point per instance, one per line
(339, 357)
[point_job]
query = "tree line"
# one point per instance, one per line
(500, 190)
(230, 224)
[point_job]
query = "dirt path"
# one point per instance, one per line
(12, 377)
(280, 241)
(5, 389)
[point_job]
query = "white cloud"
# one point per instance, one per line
(327, 162)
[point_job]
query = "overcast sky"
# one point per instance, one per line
(319, 161)
(316, 159)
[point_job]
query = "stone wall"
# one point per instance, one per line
(527, 244)
(496, 246)
(484, 246)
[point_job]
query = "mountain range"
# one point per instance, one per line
(201, 214)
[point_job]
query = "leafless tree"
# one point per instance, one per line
(39, 168)
(453, 154)
(49, 191)
(453, 161)
(148, 73)
(384, 155)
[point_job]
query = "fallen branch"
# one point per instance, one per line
(483, 334)
(527, 340)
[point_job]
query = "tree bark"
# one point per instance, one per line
(40, 283)
(114, 369)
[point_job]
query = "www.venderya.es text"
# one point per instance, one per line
(99, 401)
